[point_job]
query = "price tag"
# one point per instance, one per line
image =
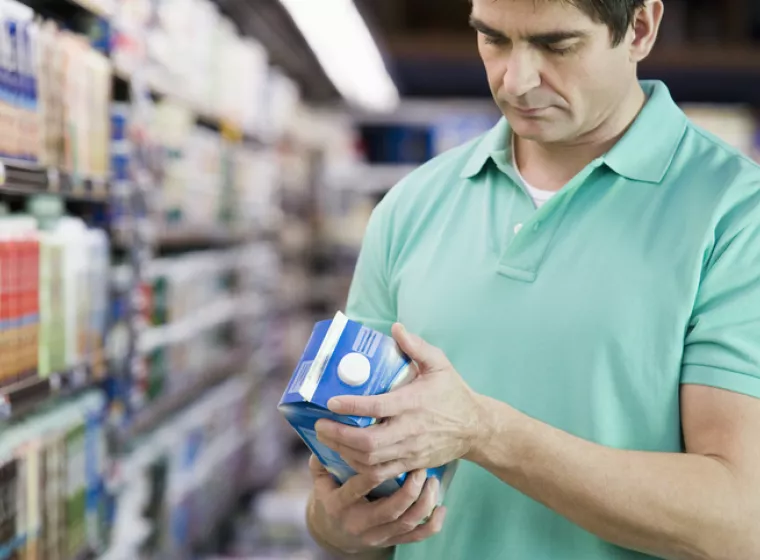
(231, 131)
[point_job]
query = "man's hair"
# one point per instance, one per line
(617, 15)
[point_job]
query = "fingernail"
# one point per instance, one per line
(436, 488)
(334, 404)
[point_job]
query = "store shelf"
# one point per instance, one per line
(187, 238)
(157, 412)
(204, 319)
(17, 191)
(203, 116)
(20, 178)
(27, 395)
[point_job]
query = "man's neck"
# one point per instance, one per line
(552, 166)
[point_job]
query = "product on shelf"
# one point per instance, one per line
(52, 469)
(53, 296)
(180, 479)
(257, 176)
(187, 315)
(19, 304)
(189, 50)
(18, 82)
(205, 183)
(74, 292)
(54, 95)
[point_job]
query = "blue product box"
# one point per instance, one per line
(120, 167)
(344, 357)
(119, 121)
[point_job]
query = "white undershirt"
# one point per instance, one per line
(539, 196)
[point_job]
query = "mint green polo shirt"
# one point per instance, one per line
(640, 275)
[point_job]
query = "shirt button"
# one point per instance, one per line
(518, 227)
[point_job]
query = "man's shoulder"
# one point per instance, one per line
(720, 178)
(713, 158)
(436, 177)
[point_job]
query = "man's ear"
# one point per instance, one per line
(645, 28)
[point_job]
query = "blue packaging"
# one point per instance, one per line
(119, 121)
(119, 167)
(343, 357)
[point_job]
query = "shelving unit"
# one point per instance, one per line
(154, 393)
(202, 116)
(18, 178)
(162, 409)
(26, 396)
(188, 239)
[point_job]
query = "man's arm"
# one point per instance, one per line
(700, 505)
(704, 504)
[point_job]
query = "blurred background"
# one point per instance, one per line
(184, 187)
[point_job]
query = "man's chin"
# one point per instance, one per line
(534, 131)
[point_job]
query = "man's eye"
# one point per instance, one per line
(559, 49)
(490, 40)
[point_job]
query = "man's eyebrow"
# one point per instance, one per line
(478, 25)
(549, 38)
(556, 37)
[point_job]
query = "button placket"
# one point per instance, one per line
(522, 258)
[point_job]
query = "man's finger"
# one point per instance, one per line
(316, 468)
(355, 489)
(365, 440)
(363, 462)
(423, 532)
(415, 515)
(379, 406)
(325, 485)
(426, 355)
(388, 510)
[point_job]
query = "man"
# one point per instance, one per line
(583, 283)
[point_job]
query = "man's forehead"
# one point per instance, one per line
(528, 6)
(531, 16)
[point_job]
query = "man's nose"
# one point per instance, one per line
(522, 73)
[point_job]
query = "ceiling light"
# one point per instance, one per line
(342, 43)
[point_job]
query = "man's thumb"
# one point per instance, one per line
(426, 355)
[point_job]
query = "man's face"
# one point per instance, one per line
(552, 70)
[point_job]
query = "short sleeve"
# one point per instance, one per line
(722, 346)
(370, 301)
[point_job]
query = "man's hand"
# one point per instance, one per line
(342, 518)
(428, 423)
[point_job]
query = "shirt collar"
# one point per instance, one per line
(647, 149)
(644, 153)
(494, 143)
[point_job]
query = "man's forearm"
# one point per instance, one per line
(674, 506)
(316, 532)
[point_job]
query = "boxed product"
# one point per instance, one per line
(343, 357)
